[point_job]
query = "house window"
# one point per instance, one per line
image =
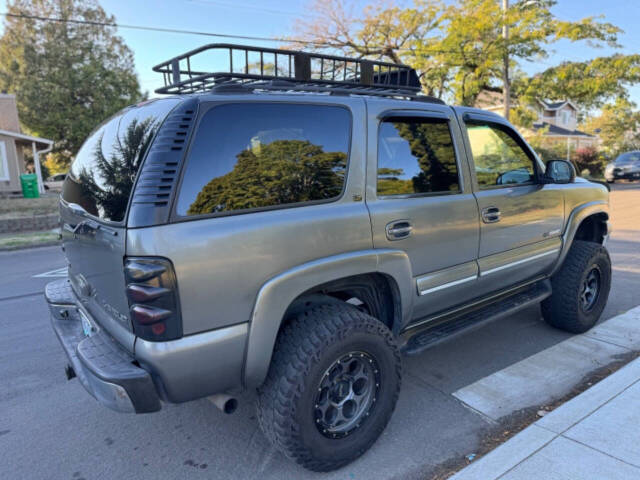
(4, 164)
(566, 117)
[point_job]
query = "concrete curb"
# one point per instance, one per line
(553, 425)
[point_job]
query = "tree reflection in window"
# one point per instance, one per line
(277, 173)
(416, 155)
(106, 186)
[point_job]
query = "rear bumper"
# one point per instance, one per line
(104, 369)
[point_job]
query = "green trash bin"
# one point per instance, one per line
(29, 182)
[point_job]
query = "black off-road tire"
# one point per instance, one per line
(564, 308)
(309, 345)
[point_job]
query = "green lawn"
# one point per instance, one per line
(27, 207)
(33, 239)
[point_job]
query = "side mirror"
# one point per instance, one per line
(559, 171)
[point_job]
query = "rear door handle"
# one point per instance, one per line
(491, 214)
(398, 229)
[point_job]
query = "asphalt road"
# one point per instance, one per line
(50, 428)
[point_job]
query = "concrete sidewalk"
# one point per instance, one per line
(594, 436)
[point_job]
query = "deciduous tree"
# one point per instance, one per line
(617, 125)
(458, 48)
(67, 77)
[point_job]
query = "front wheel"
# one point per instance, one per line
(332, 386)
(580, 288)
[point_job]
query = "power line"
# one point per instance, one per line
(193, 32)
(211, 34)
(151, 29)
(250, 7)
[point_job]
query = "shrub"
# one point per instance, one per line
(588, 158)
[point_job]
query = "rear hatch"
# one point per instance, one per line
(93, 211)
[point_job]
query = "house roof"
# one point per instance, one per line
(27, 138)
(555, 131)
(557, 105)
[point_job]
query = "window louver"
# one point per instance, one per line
(158, 176)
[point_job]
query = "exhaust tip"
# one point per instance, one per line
(230, 406)
(226, 403)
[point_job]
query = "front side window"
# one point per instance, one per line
(416, 156)
(252, 155)
(498, 156)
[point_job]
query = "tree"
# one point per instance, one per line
(380, 31)
(472, 46)
(589, 84)
(458, 49)
(67, 77)
(617, 125)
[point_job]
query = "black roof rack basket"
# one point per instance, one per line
(258, 67)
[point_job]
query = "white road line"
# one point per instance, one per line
(58, 273)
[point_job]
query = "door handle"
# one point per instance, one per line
(491, 214)
(398, 229)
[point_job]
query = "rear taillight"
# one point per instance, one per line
(153, 298)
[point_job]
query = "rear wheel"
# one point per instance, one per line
(580, 288)
(332, 386)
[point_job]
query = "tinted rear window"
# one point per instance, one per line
(102, 175)
(256, 155)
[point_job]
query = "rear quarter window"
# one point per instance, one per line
(254, 156)
(103, 172)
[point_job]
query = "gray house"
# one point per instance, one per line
(13, 144)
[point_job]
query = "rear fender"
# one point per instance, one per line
(277, 294)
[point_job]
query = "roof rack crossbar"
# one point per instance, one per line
(186, 74)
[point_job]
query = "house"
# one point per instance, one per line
(13, 146)
(556, 120)
(559, 121)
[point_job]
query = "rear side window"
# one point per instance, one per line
(253, 155)
(102, 174)
(416, 156)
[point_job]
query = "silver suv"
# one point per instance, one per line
(296, 232)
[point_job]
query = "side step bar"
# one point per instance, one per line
(431, 335)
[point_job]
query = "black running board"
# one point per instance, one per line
(419, 339)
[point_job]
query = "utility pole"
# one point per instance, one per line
(506, 86)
